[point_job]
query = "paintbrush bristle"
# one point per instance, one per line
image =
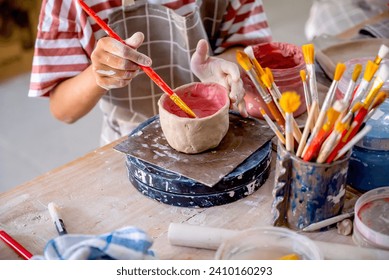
(243, 60)
(249, 51)
(309, 53)
(380, 98)
(370, 70)
(383, 51)
(340, 68)
(339, 106)
(357, 71)
(332, 115)
(303, 75)
(269, 74)
(290, 101)
(266, 81)
(340, 127)
(356, 107)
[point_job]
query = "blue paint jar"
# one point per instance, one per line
(369, 161)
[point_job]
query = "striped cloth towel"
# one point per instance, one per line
(129, 243)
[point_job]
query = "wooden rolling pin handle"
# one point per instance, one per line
(198, 236)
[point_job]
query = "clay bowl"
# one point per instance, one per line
(210, 103)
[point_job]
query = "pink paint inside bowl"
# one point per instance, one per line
(205, 99)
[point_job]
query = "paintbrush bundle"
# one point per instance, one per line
(333, 126)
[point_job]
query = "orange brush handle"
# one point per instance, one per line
(348, 135)
(276, 114)
(314, 147)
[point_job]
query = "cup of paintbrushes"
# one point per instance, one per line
(307, 192)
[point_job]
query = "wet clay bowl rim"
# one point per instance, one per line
(195, 135)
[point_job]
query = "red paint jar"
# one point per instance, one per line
(285, 61)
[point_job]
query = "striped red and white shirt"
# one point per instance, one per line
(67, 36)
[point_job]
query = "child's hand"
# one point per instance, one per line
(115, 64)
(223, 72)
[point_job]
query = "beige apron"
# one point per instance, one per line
(170, 40)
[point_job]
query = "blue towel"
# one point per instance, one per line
(129, 243)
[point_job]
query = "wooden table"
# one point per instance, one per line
(95, 197)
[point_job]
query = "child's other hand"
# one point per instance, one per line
(223, 72)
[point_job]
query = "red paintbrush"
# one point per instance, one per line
(148, 70)
(16, 246)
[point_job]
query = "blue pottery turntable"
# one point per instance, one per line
(235, 169)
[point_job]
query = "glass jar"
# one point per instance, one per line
(285, 61)
(268, 243)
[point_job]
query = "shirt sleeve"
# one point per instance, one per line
(245, 23)
(62, 48)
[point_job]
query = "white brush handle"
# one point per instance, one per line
(288, 133)
(307, 129)
(210, 238)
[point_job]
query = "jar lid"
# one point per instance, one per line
(371, 222)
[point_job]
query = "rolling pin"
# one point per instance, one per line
(210, 238)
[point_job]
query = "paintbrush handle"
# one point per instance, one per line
(276, 114)
(148, 70)
(328, 222)
(340, 145)
(347, 135)
(288, 133)
(315, 145)
(353, 141)
(273, 127)
(328, 145)
(318, 125)
(16, 246)
(307, 129)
